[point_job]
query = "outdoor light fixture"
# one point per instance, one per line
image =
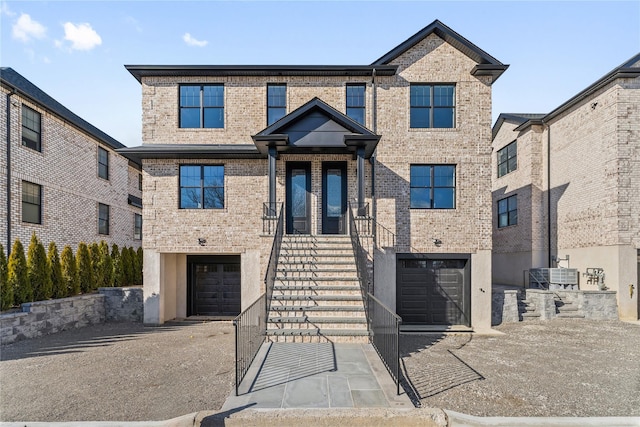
(437, 242)
(202, 241)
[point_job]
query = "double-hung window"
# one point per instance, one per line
(103, 219)
(137, 226)
(202, 106)
(508, 211)
(432, 106)
(433, 187)
(31, 202)
(31, 129)
(201, 187)
(103, 163)
(508, 159)
(356, 102)
(276, 102)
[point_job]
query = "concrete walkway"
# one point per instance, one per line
(317, 375)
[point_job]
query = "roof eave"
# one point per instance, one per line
(190, 151)
(493, 70)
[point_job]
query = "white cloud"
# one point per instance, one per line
(193, 42)
(81, 36)
(133, 22)
(26, 29)
(4, 10)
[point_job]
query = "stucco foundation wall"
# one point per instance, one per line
(481, 291)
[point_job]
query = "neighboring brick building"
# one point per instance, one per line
(407, 139)
(580, 166)
(67, 182)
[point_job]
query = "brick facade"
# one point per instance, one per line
(67, 170)
(593, 173)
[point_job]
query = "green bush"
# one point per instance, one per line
(139, 259)
(98, 277)
(6, 291)
(85, 269)
(133, 266)
(106, 265)
(125, 268)
(55, 268)
(71, 283)
(17, 276)
(38, 270)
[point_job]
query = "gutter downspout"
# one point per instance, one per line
(9, 95)
(550, 258)
(374, 128)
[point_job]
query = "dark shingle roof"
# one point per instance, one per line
(15, 81)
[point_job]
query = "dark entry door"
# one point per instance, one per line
(298, 198)
(433, 291)
(334, 197)
(214, 285)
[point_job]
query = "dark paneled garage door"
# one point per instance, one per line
(433, 291)
(214, 284)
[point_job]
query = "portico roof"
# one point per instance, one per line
(316, 127)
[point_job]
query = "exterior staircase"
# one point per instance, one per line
(527, 309)
(567, 307)
(316, 295)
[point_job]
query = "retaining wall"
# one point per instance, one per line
(48, 317)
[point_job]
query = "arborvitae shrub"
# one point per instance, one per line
(125, 267)
(138, 278)
(70, 280)
(106, 265)
(94, 250)
(133, 266)
(6, 291)
(38, 270)
(117, 265)
(55, 268)
(17, 276)
(140, 265)
(85, 269)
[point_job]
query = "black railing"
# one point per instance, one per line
(269, 217)
(251, 326)
(270, 275)
(385, 336)
(361, 256)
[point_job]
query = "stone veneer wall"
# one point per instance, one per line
(48, 317)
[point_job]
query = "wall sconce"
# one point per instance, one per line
(437, 242)
(202, 241)
(594, 105)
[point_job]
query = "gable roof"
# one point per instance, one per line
(16, 82)
(318, 127)
(487, 64)
(516, 118)
(628, 69)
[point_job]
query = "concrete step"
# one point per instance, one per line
(318, 319)
(316, 288)
(571, 315)
(313, 259)
(530, 316)
(317, 297)
(306, 279)
(318, 335)
(316, 310)
(315, 269)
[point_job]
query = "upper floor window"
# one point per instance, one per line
(355, 102)
(103, 163)
(31, 202)
(433, 106)
(137, 226)
(31, 129)
(140, 181)
(433, 187)
(201, 187)
(202, 106)
(103, 218)
(508, 159)
(276, 102)
(508, 211)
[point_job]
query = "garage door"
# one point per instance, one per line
(214, 284)
(433, 290)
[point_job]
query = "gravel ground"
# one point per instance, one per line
(118, 372)
(563, 367)
(128, 372)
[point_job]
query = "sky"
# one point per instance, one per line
(76, 50)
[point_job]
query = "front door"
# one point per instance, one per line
(334, 197)
(298, 198)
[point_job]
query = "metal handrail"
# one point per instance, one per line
(251, 327)
(270, 274)
(385, 336)
(360, 256)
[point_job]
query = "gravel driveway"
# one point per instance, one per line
(128, 372)
(118, 372)
(563, 367)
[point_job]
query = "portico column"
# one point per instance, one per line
(272, 181)
(360, 179)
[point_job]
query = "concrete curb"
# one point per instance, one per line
(183, 421)
(457, 419)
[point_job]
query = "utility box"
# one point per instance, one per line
(553, 278)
